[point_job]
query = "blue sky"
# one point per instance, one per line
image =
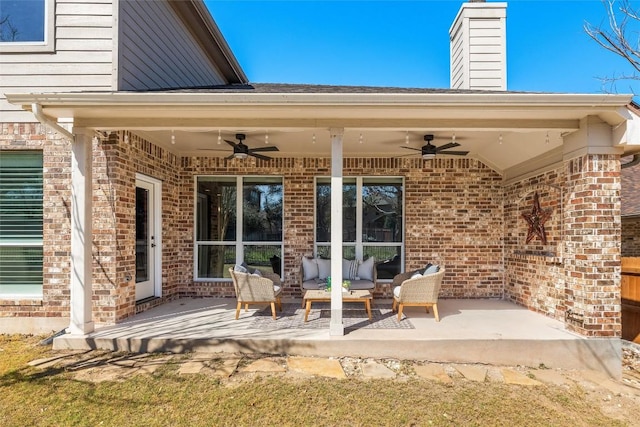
(27, 16)
(406, 43)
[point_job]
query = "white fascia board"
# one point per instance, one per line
(159, 99)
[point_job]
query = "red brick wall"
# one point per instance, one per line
(533, 272)
(631, 236)
(592, 248)
(453, 210)
(457, 213)
(117, 159)
(56, 211)
(576, 276)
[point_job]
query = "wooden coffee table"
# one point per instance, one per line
(362, 296)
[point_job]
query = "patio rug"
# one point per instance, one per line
(292, 317)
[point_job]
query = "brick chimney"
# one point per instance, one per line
(479, 46)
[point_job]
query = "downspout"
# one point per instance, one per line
(36, 109)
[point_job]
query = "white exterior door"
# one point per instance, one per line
(148, 238)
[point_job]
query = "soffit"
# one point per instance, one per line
(500, 129)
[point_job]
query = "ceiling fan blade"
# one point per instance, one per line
(259, 156)
(212, 149)
(405, 155)
(229, 157)
(447, 146)
(410, 148)
(231, 143)
(269, 148)
(454, 153)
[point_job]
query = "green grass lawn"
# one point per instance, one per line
(32, 397)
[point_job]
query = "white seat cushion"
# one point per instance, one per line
(396, 292)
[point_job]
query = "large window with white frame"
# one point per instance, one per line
(372, 221)
(238, 219)
(21, 224)
(27, 26)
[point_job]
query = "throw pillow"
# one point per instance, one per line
(365, 270)
(416, 275)
(324, 268)
(309, 268)
(240, 269)
(257, 273)
(349, 269)
(432, 269)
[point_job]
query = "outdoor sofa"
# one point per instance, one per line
(314, 273)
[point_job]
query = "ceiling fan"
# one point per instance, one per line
(242, 151)
(429, 151)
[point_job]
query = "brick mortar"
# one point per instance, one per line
(457, 213)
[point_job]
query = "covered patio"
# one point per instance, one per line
(470, 331)
(464, 212)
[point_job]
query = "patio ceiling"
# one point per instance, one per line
(503, 130)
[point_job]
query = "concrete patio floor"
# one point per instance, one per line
(470, 331)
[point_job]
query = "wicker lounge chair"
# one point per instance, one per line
(420, 291)
(255, 289)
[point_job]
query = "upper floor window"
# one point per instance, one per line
(26, 25)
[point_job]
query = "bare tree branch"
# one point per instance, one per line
(621, 36)
(8, 32)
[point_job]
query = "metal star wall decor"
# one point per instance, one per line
(536, 220)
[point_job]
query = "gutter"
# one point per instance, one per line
(634, 161)
(47, 121)
(211, 98)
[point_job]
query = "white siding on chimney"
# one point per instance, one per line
(157, 51)
(478, 47)
(82, 59)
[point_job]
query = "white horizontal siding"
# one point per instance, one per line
(484, 49)
(457, 59)
(156, 50)
(84, 8)
(66, 21)
(82, 59)
(479, 23)
(487, 59)
(53, 69)
(58, 82)
(71, 57)
(478, 47)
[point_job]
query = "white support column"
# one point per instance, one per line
(336, 327)
(81, 233)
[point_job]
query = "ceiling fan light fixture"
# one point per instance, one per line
(428, 156)
(240, 155)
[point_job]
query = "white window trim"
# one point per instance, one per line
(31, 243)
(359, 244)
(46, 46)
(238, 243)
